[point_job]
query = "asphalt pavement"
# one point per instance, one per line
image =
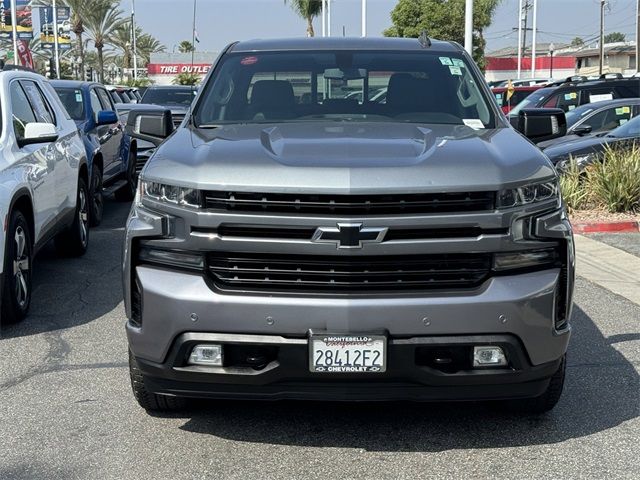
(67, 412)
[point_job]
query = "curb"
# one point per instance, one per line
(611, 227)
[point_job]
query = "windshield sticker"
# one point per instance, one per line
(455, 70)
(458, 62)
(473, 123)
(622, 110)
(445, 61)
(78, 96)
(249, 60)
(570, 96)
(623, 121)
(572, 107)
(599, 98)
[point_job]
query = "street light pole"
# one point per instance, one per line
(519, 37)
(551, 47)
(468, 27)
(638, 36)
(14, 25)
(324, 18)
(533, 45)
(364, 18)
(133, 40)
(56, 45)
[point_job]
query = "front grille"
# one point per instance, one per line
(307, 273)
(398, 204)
(305, 233)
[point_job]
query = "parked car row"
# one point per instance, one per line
(599, 113)
(65, 148)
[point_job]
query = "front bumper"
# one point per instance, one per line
(287, 376)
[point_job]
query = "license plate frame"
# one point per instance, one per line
(352, 343)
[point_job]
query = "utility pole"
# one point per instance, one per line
(533, 42)
(364, 18)
(602, 3)
(193, 35)
(324, 18)
(468, 27)
(56, 45)
(525, 17)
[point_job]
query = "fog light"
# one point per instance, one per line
(488, 356)
(210, 354)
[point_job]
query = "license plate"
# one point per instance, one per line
(348, 353)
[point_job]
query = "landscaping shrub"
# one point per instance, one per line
(613, 183)
(573, 188)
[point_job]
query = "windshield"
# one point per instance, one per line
(532, 101)
(169, 96)
(418, 87)
(629, 129)
(71, 98)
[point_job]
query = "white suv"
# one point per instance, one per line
(43, 184)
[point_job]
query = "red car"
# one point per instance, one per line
(519, 94)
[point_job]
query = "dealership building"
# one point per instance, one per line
(165, 67)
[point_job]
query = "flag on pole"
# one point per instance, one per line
(195, 36)
(510, 90)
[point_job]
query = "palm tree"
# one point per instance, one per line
(307, 9)
(185, 46)
(79, 12)
(120, 38)
(147, 45)
(101, 22)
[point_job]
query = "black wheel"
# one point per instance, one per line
(128, 191)
(97, 196)
(151, 401)
(16, 294)
(75, 240)
(548, 399)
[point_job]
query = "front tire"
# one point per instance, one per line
(97, 196)
(151, 402)
(127, 192)
(75, 241)
(18, 256)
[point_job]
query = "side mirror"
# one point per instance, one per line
(106, 117)
(150, 125)
(38, 133)
(582, 130)
(540, 124)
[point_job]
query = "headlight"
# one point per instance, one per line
(161, 192)
(534, 193)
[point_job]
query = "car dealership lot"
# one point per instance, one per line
(66, 408)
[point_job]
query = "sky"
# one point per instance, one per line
(219, 22)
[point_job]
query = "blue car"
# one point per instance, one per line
(111, 152)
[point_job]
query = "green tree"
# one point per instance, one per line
(614, 37)
(147, 45)
(79, 12)
(577, 42)
(307, 9)
(101, 22)
(186, 46)
(444, 20)
(120, 38)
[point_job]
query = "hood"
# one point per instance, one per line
(348, 158)
(578, 146)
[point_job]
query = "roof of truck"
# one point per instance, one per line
(342, 43)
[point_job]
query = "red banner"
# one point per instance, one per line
(177, 68)
(24, 52)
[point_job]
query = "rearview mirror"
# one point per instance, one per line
(345, 73)
(540, 124)
(150, 125)
(38, 133)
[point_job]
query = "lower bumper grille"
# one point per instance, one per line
(304, 273)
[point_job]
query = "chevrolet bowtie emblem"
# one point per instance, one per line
(348, 235)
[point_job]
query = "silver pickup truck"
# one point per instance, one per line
(300, 236)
